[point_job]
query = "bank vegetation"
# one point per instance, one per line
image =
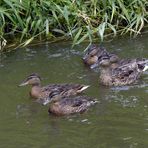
(78, 20)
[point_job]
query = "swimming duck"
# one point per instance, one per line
(94, 54)
(68, 106)
(124, 73)
(52, 92)
(115, 61)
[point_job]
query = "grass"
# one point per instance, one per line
(77, 20)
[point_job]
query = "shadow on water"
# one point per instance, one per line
(120, 119)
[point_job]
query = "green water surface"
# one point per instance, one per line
(120, 120)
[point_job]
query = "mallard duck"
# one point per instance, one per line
(115, 61)
(125, 72)
(68, 106)
(52, 92)
(94, 54)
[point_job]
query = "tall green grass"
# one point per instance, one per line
(72, 19)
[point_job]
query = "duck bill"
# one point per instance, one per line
(94, 65)
(84, 59)
(24, 83)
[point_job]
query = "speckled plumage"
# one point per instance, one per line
(52, 92)
(125, 72)
(94, 54)
(68, 106)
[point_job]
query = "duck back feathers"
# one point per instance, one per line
(68, 106)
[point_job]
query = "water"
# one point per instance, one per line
(119, 120)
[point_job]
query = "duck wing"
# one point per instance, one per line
(67, 89)
(126, 73)
(73, 102)
(141, 63)
(77, 104)
(54, 92)
(68, 105)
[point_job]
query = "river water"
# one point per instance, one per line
(119, 120)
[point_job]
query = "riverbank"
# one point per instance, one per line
(70, 19)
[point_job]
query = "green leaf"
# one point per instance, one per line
(101, 30)
(83, 38)
(28, 41)
(112, 28)
(77, 36)
(37, 26)
(124, 10)
(89, 33)
(59, 31)
(65, 14)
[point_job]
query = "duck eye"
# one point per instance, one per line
(91, 55)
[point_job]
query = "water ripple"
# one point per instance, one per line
(125, 101)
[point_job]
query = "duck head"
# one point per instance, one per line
(105, 62)
(113, 58)
(91, 56)
(33, 79)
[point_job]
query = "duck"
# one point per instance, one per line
(67, 105)
(51, 92)
(124, 72)
(94, 54)
(115, 61)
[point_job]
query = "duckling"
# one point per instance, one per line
(94, 54)
(125, 72)
(52, 92)
(67, 106)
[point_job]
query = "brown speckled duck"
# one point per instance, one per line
(115, 61)
(67, 106)
(124, 73)
(94, 54)
(52, 92)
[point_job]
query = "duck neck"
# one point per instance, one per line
(105, 71)
(105, 75)
(114, 65)
(36, 85)
(35, 91)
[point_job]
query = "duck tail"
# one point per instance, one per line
(143, 65)
(92, 102)
(145, 68)
(44, 101)
(83, 88)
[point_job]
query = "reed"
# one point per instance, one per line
(71, 19)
